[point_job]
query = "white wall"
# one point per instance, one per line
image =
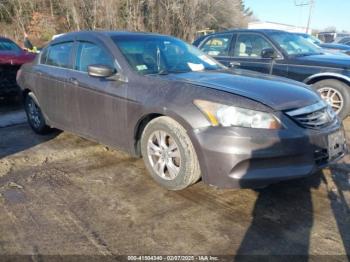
(277, 26)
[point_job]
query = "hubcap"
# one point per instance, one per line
(34, 113)
(333, 97)
(164, 155)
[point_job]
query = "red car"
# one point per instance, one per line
(11, 59)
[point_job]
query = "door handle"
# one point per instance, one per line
(233, 64)
(74, 81)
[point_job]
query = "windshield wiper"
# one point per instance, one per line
(161, 72)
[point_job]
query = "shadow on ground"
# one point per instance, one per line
(275, 229)
(14, 142)
(22, 139)
(283, 217)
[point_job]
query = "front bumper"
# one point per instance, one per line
(248, 158)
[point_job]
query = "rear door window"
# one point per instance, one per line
(92, 54)
(250, 45)
(59, 55)
(218, 45)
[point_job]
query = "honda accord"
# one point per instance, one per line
(187, 115)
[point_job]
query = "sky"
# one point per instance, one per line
(326, 13)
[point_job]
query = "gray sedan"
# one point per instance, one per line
(186, 114)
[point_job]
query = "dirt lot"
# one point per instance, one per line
(61, 194)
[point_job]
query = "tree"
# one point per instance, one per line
(181, 18)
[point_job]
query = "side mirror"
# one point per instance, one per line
(269, 53)
(101, 71)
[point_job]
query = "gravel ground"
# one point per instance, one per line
(64, 195)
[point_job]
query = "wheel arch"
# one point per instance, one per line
(148, 117)
(327, 76)
(27, 92)
(140, 126)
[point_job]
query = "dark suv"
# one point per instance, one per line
(284, 54)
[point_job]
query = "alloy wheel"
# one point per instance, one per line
(34, 113)
(164, 155)
(333, 97)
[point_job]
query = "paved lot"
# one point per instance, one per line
(61, 194)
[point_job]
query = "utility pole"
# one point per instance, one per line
(310, 3)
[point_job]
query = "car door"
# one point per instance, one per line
(99, 103)
(51, 83)
(218, 46)
(246, 54)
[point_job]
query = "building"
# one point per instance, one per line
(278, 26)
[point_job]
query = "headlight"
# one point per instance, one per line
(224, 115)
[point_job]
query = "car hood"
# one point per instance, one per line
(16, 58)
(277, 93)
(326, 60)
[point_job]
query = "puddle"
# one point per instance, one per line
(14, 196)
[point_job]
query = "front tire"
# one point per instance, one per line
(35, 117)
(336, 94)
(169, 155)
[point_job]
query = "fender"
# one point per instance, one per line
(321, 76)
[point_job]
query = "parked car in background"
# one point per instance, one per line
(329, 37)
(343, 40)
(284, 54)
(11, 59)
(335, 48)
(188, 116)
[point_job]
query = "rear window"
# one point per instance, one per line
(7, 45)
(59, 55)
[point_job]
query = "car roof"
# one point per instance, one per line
(98, 33)
(242, 30)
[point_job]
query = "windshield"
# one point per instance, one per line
(6, 45)
(163, 55)
(295, 45)
(313, 40)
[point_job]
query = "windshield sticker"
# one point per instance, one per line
(207, 60)
(141, 67)
(196, 67)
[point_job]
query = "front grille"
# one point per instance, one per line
(321, 156)
(315, 116)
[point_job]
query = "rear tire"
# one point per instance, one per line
(35, 117)
(169, 155)
(335, 93)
